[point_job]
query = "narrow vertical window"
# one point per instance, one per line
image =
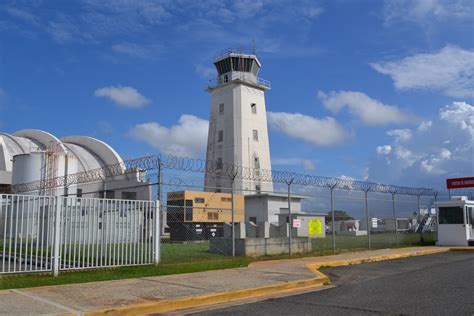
(220, 136)
(219, 163)
(221, 108)
(256, 163)
(255, 135)
(253, 107)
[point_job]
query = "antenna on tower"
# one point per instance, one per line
(253, 47)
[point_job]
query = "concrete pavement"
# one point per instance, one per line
(438, 284)
(167, 293)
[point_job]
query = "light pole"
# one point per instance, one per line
(290, 224)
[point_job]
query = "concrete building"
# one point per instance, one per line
(33, 155)
(238, 133)
(194, 215)
(266, 207)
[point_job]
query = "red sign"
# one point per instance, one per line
(460, 183)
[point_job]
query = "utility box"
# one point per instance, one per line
(455, 222)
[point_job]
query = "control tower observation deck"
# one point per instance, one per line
(238, 65)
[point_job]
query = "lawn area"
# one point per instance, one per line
(34, 280)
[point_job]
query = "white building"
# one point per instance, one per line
(238, 134)
(33, 155)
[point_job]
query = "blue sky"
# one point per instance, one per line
(363, 89)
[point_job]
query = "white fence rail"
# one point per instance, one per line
(39, 233)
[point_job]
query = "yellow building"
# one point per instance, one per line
(195, 215)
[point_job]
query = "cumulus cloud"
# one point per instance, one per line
(360, 105)
(384, 150)
(321, 132)
(429, 155)
(187, 138)
(401, 134)
(127, 97)
(461, 114)
(449, 70)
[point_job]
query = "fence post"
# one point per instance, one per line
(421, 219)
(395, 218)
(233, 217)
(333, 219)
(233, 212)
(156, 232)
(57, 235)
(367, 216)
(290, 221)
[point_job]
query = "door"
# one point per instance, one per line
(470, 222)
(452, 229)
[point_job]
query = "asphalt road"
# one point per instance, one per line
(440, 284)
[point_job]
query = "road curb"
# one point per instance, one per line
(168, 305)
(468, 248)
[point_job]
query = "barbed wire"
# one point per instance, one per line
(214, 168)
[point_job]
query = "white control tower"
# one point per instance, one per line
(238, 133)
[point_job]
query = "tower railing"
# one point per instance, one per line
(242, 50)
(239, 76)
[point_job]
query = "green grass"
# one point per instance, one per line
(193, 257)
(34, 280)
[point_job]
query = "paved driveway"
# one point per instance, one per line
(439, 284)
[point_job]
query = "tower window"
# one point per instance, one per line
(221, 108)
(256, 163)
(253, 107)
(220, 136)
(255, 135)
(219, 163)
(258, 188)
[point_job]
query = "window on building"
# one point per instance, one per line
(219, 163)
(221, 108)
(129, 195)
(253, 219)
(256, 163)
(253, 107)
(226, 199)
(220, 136)
(258, 188)
(79, 193)
(213, 216)
(451, 215)
(199, 200)
(107, 194)
(255, 135)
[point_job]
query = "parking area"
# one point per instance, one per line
(439, 284)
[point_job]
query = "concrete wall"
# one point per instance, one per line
(257, 247)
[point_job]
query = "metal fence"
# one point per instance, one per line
(40, 233)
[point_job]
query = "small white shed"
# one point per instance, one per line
(455, 222)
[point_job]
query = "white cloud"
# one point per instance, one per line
(460, 114)
(307, 164)
(450, 71)
(384, 150)
(135, 50)
(427, 156)
(187, 138)
(427, 11)
(360, 105)
(400, 134)
(123, 96)
(320, 132)
(425, 125)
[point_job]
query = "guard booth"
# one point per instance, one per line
(455, 222)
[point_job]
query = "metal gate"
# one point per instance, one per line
(41, 233)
